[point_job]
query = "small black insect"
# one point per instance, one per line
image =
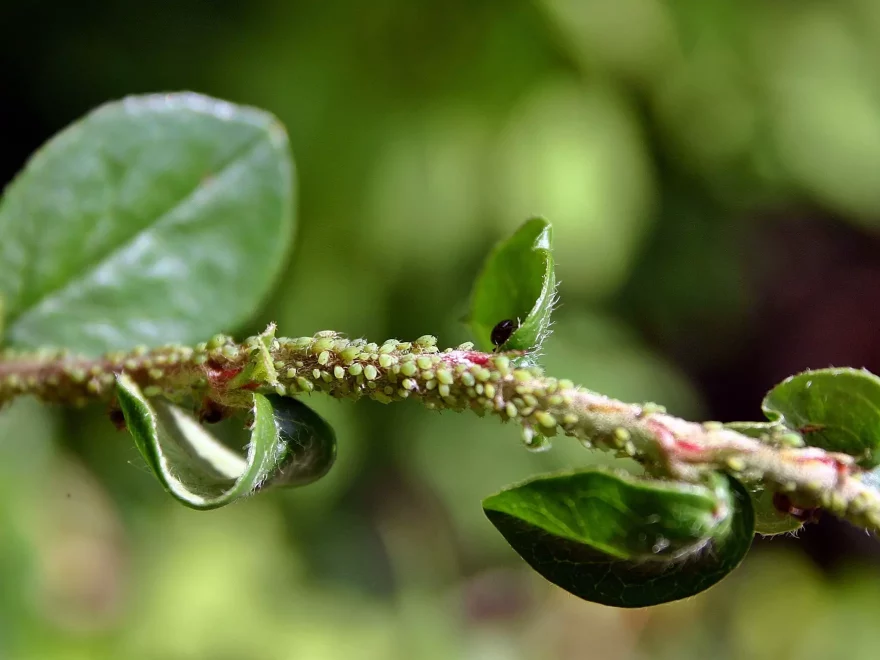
(502, 332)
(212, 412)
(118, 419)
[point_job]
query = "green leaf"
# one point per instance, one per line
(309, 443)
(769, 520)
(289, 445)
(154, 219)
(618, 540)
(771, 433)
(517, 283)
(834, 409)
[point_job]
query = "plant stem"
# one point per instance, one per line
(455, 379)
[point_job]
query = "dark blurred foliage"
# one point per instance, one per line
(711, 169)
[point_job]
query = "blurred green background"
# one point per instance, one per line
(712, 169)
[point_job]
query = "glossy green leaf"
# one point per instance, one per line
(154, 219)
(618, 540)
(517, 283)
(834, 409)
(289, 445)
(309, 443)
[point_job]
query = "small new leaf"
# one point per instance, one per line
(623, 541)
(260, 367)
(517, 283)
(774, 434)
(834, 409)
(289, 445)
(769, 520)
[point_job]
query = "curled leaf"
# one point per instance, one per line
(289, 445)
(614, 539)
(518, 285)
(834, 409)
(308, 440)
